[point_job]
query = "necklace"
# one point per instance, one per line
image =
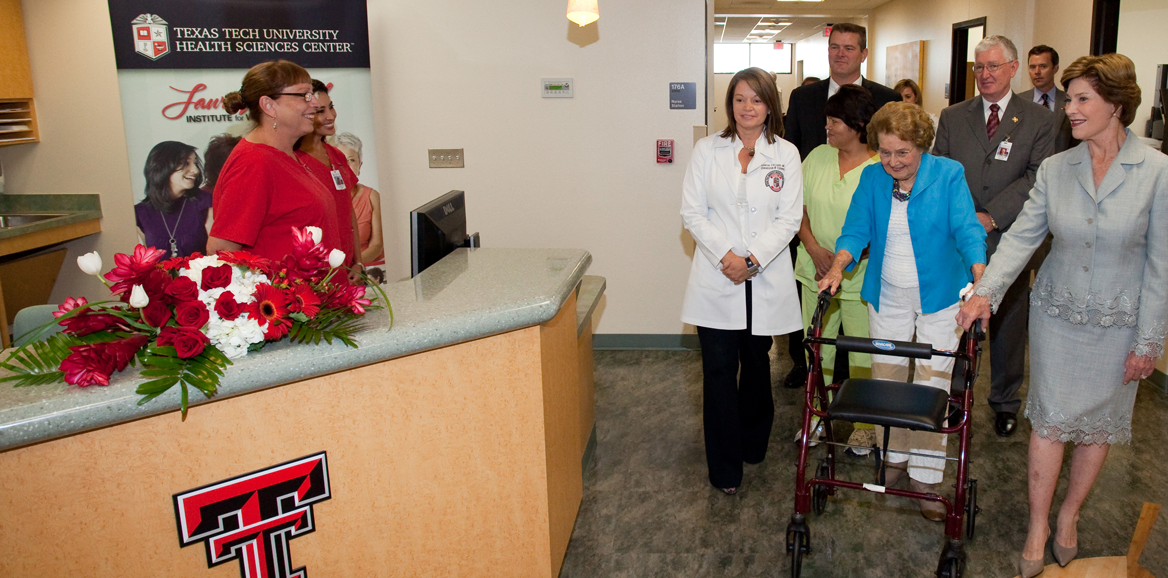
(897, 193)
(173, 243)
(750, 151)
(306, 169)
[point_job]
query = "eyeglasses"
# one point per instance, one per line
(307, 96)
(978, 68)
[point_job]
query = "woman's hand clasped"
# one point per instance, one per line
(734, 268)
(1137, 367)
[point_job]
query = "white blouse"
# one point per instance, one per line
(900, 264)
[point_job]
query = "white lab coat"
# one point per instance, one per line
(774, 211)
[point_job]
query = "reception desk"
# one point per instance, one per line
(450, 445)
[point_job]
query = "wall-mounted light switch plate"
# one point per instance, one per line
(446, 158)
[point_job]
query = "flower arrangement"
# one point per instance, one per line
(186, 318)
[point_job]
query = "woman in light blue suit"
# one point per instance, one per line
(915, 216)
(1100, 301)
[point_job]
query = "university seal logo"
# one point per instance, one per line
(150, 36)
(253, 517)
(774, 180)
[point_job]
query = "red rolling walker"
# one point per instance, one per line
(889, 404)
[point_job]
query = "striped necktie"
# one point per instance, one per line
(992, 121)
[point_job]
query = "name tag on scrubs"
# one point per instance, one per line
(338, 181)
(1003, 151)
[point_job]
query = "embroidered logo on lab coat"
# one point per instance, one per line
(774, 180)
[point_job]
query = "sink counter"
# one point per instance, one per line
(80, 215)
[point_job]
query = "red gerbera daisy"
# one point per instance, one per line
(245, 259)
(179, 262)
(305, 300)
(271, 308)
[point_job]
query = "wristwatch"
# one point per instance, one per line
(750, 266)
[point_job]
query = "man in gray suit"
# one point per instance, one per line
(1043, 62)
(1000, 141)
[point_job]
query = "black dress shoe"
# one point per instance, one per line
(1005, 423)
(797, 378)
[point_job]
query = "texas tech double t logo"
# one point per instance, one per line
(251, 518)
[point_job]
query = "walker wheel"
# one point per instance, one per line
(971, 509)
(951, 568)
(797, 545)
(819, 492)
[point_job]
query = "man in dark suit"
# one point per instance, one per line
(805, 126)
(1000, 141)
(805, 123)
(1043, 62)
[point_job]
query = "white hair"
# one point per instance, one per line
(1002, 42)
(349, 140)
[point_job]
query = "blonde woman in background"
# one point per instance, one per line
(910, 91)
(366, 204)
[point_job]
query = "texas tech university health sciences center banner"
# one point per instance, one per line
(176, 60)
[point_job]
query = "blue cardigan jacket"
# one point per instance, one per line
(947, 238)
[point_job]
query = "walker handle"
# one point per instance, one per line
(884, 347)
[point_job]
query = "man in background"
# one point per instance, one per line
(1043, 63)
(847, 48)
(1000, 141)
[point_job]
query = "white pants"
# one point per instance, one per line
(900, 315)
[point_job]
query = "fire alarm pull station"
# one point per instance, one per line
(664, 151)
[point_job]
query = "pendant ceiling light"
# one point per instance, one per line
(583, 12)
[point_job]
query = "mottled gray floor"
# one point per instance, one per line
(648, 509)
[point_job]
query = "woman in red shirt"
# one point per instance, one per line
(329, 166)
(264, 191)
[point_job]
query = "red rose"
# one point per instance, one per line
(154, 283)
(227, 307)
(156, 314)
(191, 314)
(216, 277)
(183, 289)
(187, 342)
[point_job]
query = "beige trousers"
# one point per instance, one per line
(899, 317)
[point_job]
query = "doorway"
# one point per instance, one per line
(966, 35)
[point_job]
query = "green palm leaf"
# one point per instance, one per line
(201, 372)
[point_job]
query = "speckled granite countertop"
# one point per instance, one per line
(467, 295)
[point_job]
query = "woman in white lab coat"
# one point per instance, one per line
(742, 201)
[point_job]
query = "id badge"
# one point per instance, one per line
(338, 181)
(1003, 151)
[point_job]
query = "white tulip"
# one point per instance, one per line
(90, 263)
(316, 233)
(336, 258)
(138, 297)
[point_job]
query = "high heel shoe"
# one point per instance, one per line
(1030, 568)
(1062, 554)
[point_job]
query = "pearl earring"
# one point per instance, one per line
(274, 125)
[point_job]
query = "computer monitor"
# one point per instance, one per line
(436, 229)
